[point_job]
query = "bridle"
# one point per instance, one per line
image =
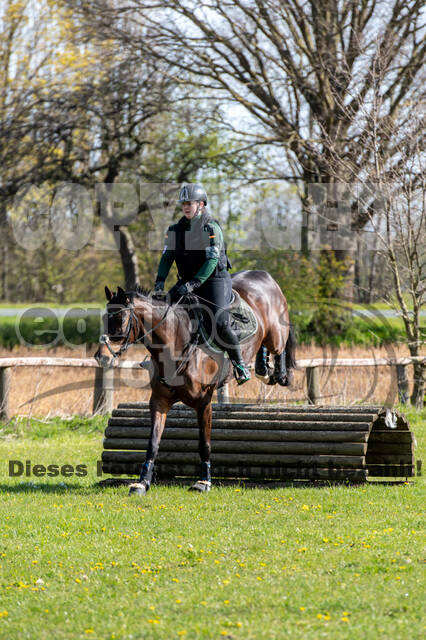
(131, 324)
(105, 339)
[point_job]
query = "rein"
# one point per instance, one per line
(105, 339)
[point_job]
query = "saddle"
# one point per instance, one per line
(243, 322)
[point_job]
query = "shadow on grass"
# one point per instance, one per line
(62, 489)
(185, 483)
(56, 488)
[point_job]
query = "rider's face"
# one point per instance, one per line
(190, 208)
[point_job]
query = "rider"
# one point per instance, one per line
(197, 246)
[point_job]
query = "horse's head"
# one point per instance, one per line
(119, 327)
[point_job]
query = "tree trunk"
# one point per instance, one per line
(129, 258)
(417, 397)
(123, 239)
(4, 269)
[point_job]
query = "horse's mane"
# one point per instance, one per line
(143, 293)
(139, 292)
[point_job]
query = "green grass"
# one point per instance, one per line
(78, 561)
(360, 331)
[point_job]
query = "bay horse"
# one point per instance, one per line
(184, 371)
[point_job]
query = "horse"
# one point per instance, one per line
(185, 371)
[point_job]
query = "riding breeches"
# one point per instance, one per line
(213, 296)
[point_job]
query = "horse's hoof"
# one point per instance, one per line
(264, 379)
(137, 489)
(286, 380)
(201, 486)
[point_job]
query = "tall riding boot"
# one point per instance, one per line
(241, 372)
(230, 343)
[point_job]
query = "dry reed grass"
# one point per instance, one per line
(49, 391)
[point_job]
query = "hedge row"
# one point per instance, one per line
(50, 331)
(53, 332)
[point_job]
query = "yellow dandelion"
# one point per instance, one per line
(89, 631)
(302, 608)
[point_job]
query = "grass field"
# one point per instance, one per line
(300, 561)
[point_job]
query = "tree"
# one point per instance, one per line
(395, 205)
(303, 70)
(72, 109)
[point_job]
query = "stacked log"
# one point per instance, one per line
(266, 442)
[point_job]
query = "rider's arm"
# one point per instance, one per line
(165, 263)
(212, 253)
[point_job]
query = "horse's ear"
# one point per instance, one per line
(108, 294)
(121, 296)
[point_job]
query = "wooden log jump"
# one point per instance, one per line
(266, 442)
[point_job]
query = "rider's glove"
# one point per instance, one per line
(159, 290)
(159, 286)
(188, 287)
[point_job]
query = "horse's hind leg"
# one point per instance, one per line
(280, 375)
(262, 367)
(204, 415)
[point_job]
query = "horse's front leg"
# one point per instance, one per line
(204, 415)
(159, 409)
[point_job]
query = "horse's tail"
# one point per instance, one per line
(290, 350)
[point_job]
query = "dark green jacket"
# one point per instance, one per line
(198, 248)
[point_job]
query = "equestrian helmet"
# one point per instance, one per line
(190, 192)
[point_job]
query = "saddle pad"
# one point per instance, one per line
(243, 321)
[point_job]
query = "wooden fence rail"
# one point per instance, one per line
(103, 396)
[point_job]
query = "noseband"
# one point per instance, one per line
(105, 339)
